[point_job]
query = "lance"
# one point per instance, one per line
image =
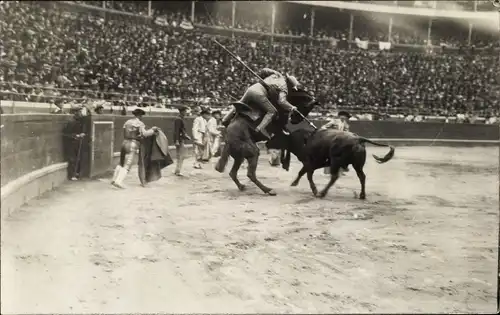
(241, 62)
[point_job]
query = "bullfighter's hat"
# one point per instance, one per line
(138, 112)
(344, 113)
(98, 107)
(196, 109)
(182, 108)
(205, 111)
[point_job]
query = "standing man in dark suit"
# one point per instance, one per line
(180, 135)
(74, 137)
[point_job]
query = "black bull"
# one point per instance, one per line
(241, 139)
(323, 148)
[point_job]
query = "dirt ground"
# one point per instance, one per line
(425, 240)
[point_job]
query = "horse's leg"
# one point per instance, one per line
(234, 173)
(299, 176)
(223, 159)
(251, 173)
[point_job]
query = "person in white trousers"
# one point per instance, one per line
(341, 123)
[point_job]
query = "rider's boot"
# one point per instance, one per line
(286, 132)
(261, 128)
(283, 120)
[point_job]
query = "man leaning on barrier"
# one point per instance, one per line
(133, 131)
(74, 136)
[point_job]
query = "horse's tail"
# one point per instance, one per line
(380, 160)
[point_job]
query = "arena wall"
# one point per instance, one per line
(32, 158)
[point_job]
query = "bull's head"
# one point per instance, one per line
(304, 102)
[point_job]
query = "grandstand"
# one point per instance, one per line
(395, 57)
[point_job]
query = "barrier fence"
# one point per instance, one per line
(34, 146)
(18, 103)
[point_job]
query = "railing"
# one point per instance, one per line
(17, 92)
(477, 5)
(287, 38)
(16, 102)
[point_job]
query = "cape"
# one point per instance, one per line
(153, 157)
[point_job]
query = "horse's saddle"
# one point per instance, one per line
(246, 110)
(252, 115)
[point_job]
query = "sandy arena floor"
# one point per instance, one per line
(425, 240)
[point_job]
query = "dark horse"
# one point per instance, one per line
(241, 138)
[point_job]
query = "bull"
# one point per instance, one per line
(327, 148)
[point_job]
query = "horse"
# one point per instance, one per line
(241, 138)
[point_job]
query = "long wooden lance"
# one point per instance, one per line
(242, 63)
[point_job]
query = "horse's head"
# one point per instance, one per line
(304, 102)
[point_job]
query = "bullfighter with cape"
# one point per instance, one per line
(134, 132)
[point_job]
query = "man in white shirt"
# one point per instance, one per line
(214, 129)
(340, 124)
(199, 135)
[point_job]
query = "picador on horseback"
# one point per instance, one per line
(268, 98)
(263, 112)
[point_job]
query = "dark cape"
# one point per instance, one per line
(153, 157)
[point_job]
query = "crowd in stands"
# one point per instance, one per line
(44, 45)
(329, 22)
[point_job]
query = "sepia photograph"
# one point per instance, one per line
(334, 157)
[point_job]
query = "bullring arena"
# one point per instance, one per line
(423, 241)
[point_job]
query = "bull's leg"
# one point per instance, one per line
(358, 164)
(299, 176)
(334, 175)
(362, 180)
(234, 173)
(251, 173)
(310, 172)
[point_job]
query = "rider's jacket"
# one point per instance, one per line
(275, 80)
(278, 88)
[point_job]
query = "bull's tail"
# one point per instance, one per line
(380, 160)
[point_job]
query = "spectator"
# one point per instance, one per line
(74, 134)
(180, 136)
(214, 129)
(99, 109)
(82, 54)
(199, 131)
